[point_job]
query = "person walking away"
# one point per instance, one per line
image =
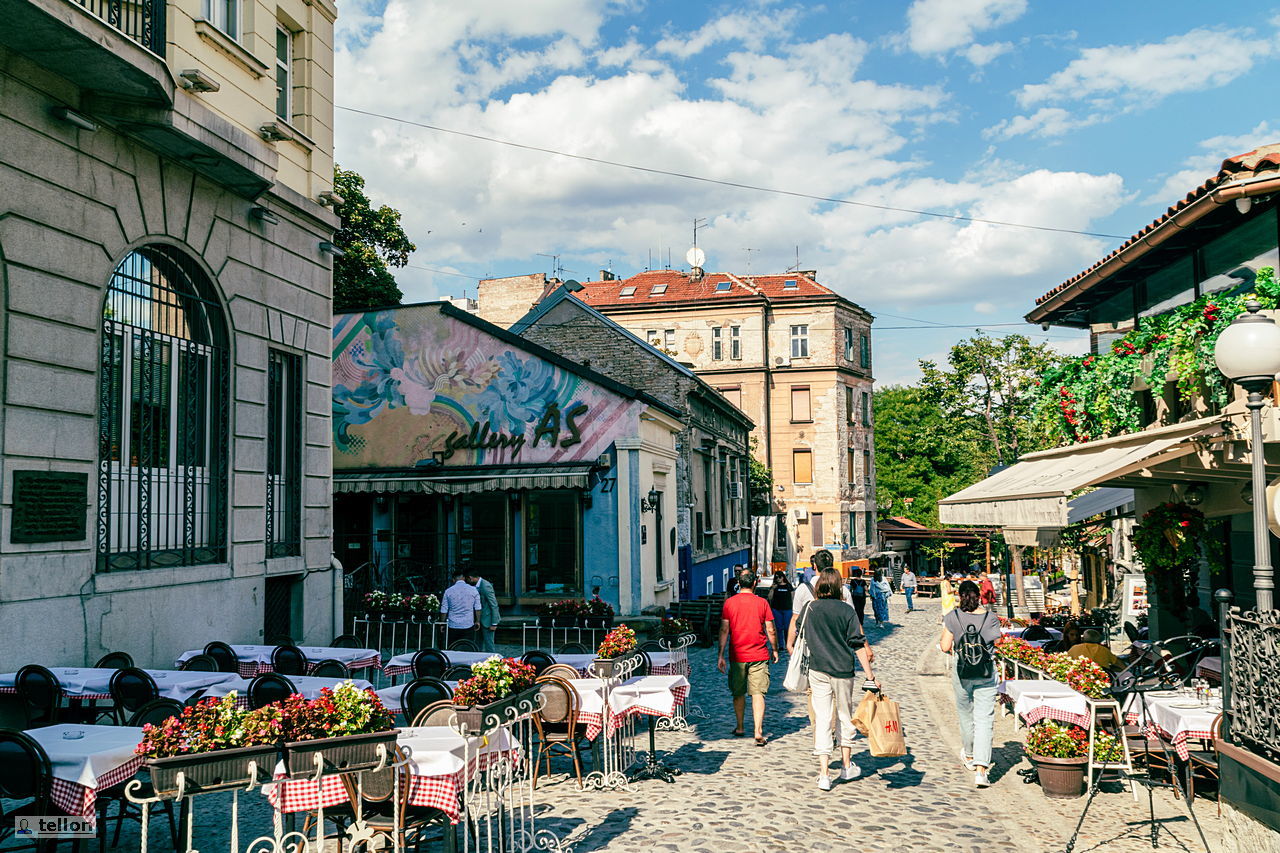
(489, 614)
(880, 591)
(858, 592)
(969, 634)
(836, 645)
(461, 608)
(746, 629)
(987, 591)
(803, 595)
(781, 595)
(908, 584)
(947, 592)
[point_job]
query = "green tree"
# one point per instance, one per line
(760, 479)
(371, 240)
(995, 381)
(922, 455)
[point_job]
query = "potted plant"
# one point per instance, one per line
(674, 626)
(423, 607)
(344, 726)
(616, 644)
(385, 605)
(1080, 674)
(498, 691)
(1059, 753)
(562, 613)
(210, 745)
(596, 615)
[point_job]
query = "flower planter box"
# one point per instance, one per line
(346, 754)
(485, 718)
(1060, 778)
(557, 621)
(596, 623)
(607, 667)
(219, 770)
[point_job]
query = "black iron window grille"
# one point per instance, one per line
(163, 420)
(141, 20)
(284, 455)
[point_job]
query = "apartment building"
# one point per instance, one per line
(789, 352)
(166, 271)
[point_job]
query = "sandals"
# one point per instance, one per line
(737, 733)
(761, 741)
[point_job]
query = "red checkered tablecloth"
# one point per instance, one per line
(248, 669)
(1178, 741)
(79, 800)
(595, 722)
(1044, 712)
(396, 671)
(69, 695)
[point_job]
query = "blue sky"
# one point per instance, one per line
(1087, 116)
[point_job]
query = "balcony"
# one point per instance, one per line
(140, 20)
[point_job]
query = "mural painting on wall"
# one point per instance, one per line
(413, 384)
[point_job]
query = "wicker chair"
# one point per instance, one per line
(288, 660)
(269, 687)
(561, 670)
(386, 810)
(557, 725)
(131, 689)
(331, 669)
(224, 655)
(200, 663)
(436, 714)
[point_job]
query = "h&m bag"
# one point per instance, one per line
(797, 678)
(973, 657)
(877, 718)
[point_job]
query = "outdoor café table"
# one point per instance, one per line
(91, 683)
(438, 768)
(308, 686)
(662, 662)
(1034, 701)
(1017, 631)
(255, 660)
(1176, 724)
(654, 695)
(82, 766)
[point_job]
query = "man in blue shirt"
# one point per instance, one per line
(461, 607)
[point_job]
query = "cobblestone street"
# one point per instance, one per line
(735, 796)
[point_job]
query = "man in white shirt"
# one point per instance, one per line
(461, 607)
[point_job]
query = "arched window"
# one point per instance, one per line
(163, 416)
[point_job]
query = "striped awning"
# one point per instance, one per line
(498, 480)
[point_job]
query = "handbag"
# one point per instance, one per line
(797, 678)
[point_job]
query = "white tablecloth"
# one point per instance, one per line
(1017, 631)
(1036, 700)
(90, 683)
(308, 686)
(81, 767)
(257, 659)
(439, 750)
(1177, 724)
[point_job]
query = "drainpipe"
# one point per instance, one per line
(768, 391)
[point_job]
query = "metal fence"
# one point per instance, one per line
(141, 20)
(1253, 709)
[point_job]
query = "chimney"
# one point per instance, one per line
(813, 274)
(605, 275)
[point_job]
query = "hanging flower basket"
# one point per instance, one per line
(219, 770)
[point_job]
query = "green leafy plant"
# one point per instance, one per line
(493, 679)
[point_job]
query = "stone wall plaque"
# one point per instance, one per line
(49, 506)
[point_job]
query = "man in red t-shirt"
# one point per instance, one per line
(746, 626)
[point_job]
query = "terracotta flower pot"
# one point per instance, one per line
(1060, 778)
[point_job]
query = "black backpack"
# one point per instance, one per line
(973, 657)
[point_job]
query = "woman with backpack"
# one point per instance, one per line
(858, 592)
(969, 633)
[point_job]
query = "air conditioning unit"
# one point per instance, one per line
(735, 491)
(802, 514)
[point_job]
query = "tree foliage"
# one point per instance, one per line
(995, 381)
(922, 455)
(371, 240)
(760, 479)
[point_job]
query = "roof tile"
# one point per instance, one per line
(680, 287)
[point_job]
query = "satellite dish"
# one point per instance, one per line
(696, 257)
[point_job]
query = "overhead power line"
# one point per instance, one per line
(737, 184)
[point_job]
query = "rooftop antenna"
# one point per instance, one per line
(749, 250)
(650, 265)
(696, 223)
(796, 265)
(556, 269)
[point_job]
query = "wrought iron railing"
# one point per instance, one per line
(141, 20)
(1253, 710)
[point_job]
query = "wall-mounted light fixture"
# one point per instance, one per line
(262, 214)
(195, 80)
(1194, 494)
(274, 131)
(650, 502)
(329, 198)
(70, 116)
(330, 249)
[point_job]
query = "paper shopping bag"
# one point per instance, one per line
(885, 733)
(862, 714)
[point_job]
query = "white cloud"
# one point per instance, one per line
(750, 29)
(1204, 164)
(982, 54)
(1044, 122)
(936, 27)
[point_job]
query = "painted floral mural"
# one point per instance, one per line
(412, 383)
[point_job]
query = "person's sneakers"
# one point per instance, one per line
(851, 772)
(824, 782)
(967, 761)
(980, 779)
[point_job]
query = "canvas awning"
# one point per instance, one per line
(1032, 494)
(495, 480)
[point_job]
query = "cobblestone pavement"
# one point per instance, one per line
(735, 796)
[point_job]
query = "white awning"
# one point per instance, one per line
(563, 477)
(1033, 492)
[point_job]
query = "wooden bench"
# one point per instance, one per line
(703, 614)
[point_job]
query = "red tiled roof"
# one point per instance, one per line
(1261, 160)
(681, 288)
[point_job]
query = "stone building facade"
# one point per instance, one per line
(709, 535)
(792, 354)
(164, 433)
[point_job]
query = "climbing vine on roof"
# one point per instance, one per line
(1093, 397)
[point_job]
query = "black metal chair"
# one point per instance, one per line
(278, 640)
(457, 672)
(387, 812)
(269, 687)
(345, 641)
(288, 660)
(224, 655)
(156, 712)
(200, 663)
(331, 669)
(13, 712)
(430, 663)
(651, 646)
(42, 692)
(25, 774)
(1130, 631)
(538, 659)
(114, 660)
(463, 646)
(130, 689)
(1036, 632)
(573, 649)
(420, 693)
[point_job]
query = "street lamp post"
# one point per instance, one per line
(1248, 353)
